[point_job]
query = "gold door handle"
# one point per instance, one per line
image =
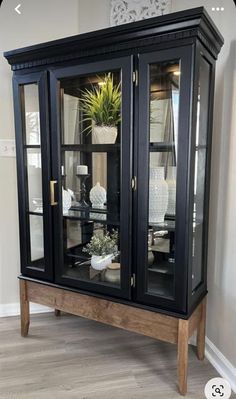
(52, 193)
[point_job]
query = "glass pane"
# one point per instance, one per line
(33, 159)
(164, 110)
(34, 174)
(36, 238)
(90, 115)
(199, 175)
(32, 121)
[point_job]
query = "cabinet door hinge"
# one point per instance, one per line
(132, 280)
(134, 183)
(135, 77)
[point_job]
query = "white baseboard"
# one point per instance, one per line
(13, 309)
(218, 361)
(221, 364)
(215, 357)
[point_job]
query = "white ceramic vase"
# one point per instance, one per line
(101, 262)
(171, 181)
(98, 197)
(158, 195)
(104, 134)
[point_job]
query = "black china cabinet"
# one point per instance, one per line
(142, 178)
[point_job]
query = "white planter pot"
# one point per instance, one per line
(101, 262)
(104, 134)
(158, 195)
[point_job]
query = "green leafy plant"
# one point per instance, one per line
(102, 245)
(102, 105)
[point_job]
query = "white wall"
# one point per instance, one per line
(40, 21)
(93, 14)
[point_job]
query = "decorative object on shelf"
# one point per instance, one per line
(161, 241)
(66, 201)
(124, 11)
(150, 242)
(102, 248)
(83, 192)
(112, 273)
(158, 195)
(72, 194)
(98, 196)
(171, 181)
(104, 134)
(82, 170)
(101, 262)
(102, 109)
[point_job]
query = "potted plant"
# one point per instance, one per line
(102, 248)
(102, 108)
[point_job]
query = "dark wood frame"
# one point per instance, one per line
(185, 36)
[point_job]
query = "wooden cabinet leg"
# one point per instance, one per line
(183, 335)
(201, 329)
(24, 309)
(57, 312)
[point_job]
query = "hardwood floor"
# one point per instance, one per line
(70, 357)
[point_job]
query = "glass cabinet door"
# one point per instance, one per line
(92, 167)
(164, 101)
(201, 167)
(33, 160)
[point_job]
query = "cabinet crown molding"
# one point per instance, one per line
(190, 24)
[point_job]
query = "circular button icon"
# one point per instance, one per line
(217, 388)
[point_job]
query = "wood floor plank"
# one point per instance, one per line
(74, 358)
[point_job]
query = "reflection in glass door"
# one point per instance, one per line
(198, 221)
(164, 109)
(33, 157)
(162, 176)
(92, 131)
(33, 160)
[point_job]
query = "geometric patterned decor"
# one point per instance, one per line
(124, 11)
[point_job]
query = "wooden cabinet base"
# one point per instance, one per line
(155, 325)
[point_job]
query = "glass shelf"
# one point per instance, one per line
(163, 268)
(86, 272)
(91, 147)
(91, 215)
(168, 225)
(26, 146)
(161, 147)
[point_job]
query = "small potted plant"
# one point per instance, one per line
(102, 248)
(101, 106)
